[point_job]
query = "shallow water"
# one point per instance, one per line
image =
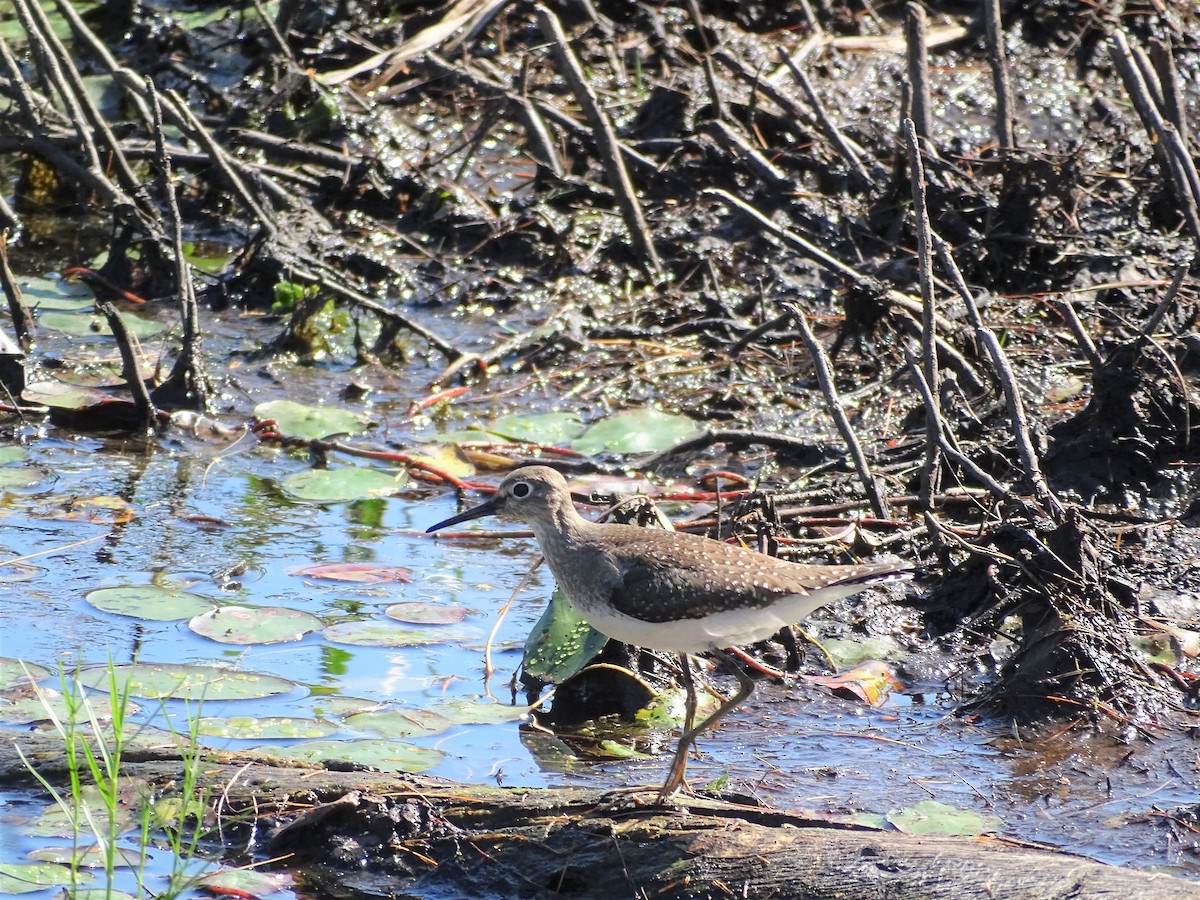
(792, 744)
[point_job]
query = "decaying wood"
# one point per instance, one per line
(430, 834)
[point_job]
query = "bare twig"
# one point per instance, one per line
(824, 373)
(1008, 383)
(710, 76)
(83, 33)
(1179, 168)
(930, 472)
(17, 310)
(830, 130)
(762, 168)
(1082, 338)
(70, 86)
(1174, 108)
(129, 366)
(1164, 305)
(999, 64)
(187, 383)
(605, 137)
(921, 113)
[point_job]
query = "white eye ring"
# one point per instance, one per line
(521, 490)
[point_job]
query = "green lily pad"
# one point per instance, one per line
(405, 722)
(298, 420)
(15, 478)
(255, 624)
(13, 453)
(464, 711)
(22, 705)
(54, 821)
(55, 293)
(343, 484)
(561, 643)
(635, 431)
(149, 601)
(344, 706)
(15, 671)
(60, 395)
(80, 324)
(851, 653)
(616, 750)
(934, 817)
(155, 680)
(550, 428)
(1156, 647)
(415, 612)
(462, 436)
(381, 634)
(25, 878)
(264, 728)
(92, 857)
(386, 756)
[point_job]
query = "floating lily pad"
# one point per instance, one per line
(635, 431)
(298, 420)
(343, 484)
(344, 706)
(852, 653)
(81, 324)
(244, 882)
(15, 478)
(149, 601)
(449, 459)
(933, 817)
(15, 470)
(25, 878)
(15, 671)
(561, 643)
(60, 395)
(463, 436)
(386, 756)
(415, 612)
(265, 728)
(405, 722)
(359, 573)
(14, 572)
(183, 682)
(463, 711)
(23, 704)
(55, 293)
(54, 821)
(92, 857)
(556, 429)
(255, 624)
(100, 510)
(381, 634)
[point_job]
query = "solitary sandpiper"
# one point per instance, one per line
(666, 590)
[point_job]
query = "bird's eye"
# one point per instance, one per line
(521, 490)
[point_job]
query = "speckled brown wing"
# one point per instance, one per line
(672, 577)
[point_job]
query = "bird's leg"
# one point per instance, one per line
(691, 701)
(679, 764)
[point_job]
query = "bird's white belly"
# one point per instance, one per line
(733, 628)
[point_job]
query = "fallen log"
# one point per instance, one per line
(417, 834)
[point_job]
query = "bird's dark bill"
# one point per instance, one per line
(486, 508)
